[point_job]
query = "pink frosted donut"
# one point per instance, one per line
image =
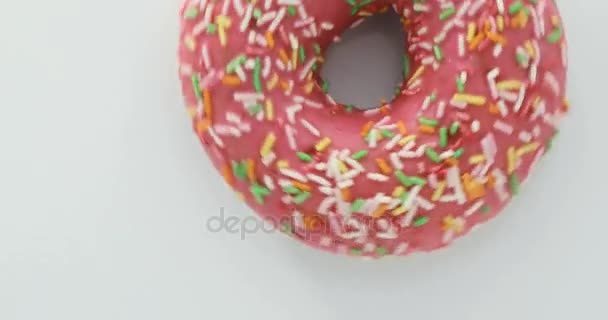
(482, 95)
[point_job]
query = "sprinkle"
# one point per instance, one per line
(256, 76)
(304, 157)
(470, 99)
(514, 183)
(421, 221)
(360, 154)
(302, 197)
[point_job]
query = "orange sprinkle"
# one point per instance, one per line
(494, 109)
(451, 162)
(426, 129)
(284, 56)
(230, 80)
(270, 40)
(207, 102)
(476, 41)
(345, 194)
(251, 170)
(402, 128)
(284, 85)
(379, 211)
(366, 128)
(491, 182)
(472, 187)
(383, 165)
(202, 126)
(308, 87)
(497, 38)
(311, 222)
(300, 185)
(227, 174)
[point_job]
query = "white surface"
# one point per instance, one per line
(105, 194)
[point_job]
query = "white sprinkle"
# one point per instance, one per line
(503, 127)
(290, 131)
(293, 174)
(377, 177)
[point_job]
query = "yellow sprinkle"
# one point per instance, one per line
(268, 144)
(272, 83)
(471, 31)
(282, 164)
(509, 85)
(294, 58)
(470, 99)
(416, 74)
(190, 42)
(323, 144)
(511, 160)
(439, 191)
(407, 139)
(192, 111)
(500, 22)
(530, 147)
(399, 211)
(343, 167)
(269, 110)
(223, 22)
(476, 159)
(530, 48)
(308, 87)
(399, 190)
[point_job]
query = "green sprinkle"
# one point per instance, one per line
(302, 54)
(360, 154)
(432, 154)
(257, 13)
(325, 86)
(291, 190)
(211, 28)
(286, 228)
(304, 157)
(259, 192)
(299, 199)
(428, 122)
(255, 109)
(403, 178)
(485, 209)
(197, 87)
(555, 35)
(459, 85)
(317, 48)
(356, 205)
(433, 96)
(438, 53)
(515, 7)
(349, 108)
(386, 134)
(409, 181)
(191, 13)
(381, 251)
(550, 141)
(458, 153)
(443, 137)
(521, 58)
(291, 10)
(235, 63)
(445, 14)
(406, 66)
(257, 70)
(239, 169)
(514, 183)
(417, 181)
(421, 221)
(356, 252)
(454, 127)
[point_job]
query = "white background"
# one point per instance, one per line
(104, 194)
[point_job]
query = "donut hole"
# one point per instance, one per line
(366, 65)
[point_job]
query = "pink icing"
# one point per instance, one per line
(429, 188)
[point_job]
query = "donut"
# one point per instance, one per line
(482, 95)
